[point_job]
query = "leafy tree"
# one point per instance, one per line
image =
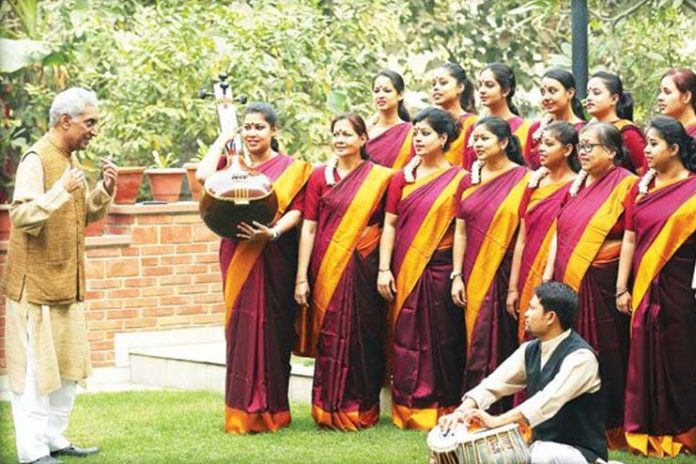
(311, 59)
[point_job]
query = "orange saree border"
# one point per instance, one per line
(417, 419)
(595, 233)
(663, 446)
(537, 269)
(673, 234)
(346, 420)
(241, 422)
(427, 239)
(247, 253)
(344, 242)
(405, 153)
(534, 279)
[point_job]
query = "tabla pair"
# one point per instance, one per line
(501, 445)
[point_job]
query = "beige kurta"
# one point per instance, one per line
(58, 332)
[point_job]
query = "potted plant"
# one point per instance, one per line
(4, 222)
(165, 181)
(191, 168)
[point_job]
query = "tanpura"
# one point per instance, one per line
(237, 193)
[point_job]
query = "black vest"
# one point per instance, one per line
(580, 422)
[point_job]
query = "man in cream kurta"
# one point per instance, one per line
(46, 338)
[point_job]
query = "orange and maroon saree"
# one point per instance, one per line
(258, 286)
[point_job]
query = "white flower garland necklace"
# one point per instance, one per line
(410, 169)
(476, 168)
(578, 183)
(645, 181)
(537, 176)
(329, 172)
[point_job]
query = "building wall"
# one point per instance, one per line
(154, 268)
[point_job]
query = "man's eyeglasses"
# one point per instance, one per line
(587, 147)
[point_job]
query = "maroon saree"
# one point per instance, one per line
(428, 330)
(260, 313)
(660, 416)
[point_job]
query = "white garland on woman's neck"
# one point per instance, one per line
(410, 169)
(536, 177)
(645, 181)
(476, 168)
(578, 183)
(329, 175)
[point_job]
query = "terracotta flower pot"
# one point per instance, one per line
(128, 185)
(95, 229)
(194, 185)
(4, 222)
(165, 184)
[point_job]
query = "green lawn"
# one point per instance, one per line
(186, 427)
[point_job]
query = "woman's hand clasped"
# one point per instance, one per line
(257, 232)
(302, 292)
(386, 286)
(459, 292)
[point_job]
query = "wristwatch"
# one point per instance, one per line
(456, 274)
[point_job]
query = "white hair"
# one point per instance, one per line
(72, 102)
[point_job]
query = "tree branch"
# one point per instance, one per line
(615, 19)
(629, 11)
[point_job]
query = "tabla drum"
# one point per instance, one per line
(502, 445)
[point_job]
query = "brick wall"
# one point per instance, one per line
(154, 268)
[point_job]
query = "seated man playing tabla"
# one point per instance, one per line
(561, 374)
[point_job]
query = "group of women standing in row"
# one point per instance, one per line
(421, 243)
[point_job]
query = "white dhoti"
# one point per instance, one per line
(549, 452)
(42, 397)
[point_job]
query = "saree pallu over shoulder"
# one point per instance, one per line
(426, 212)
(658, 239)
(259, 315)
(540, 226)
(594, 212)
(520, 128)
(460, 153)
(342, 223)
(491, 213)
(347, 314)
(428, 331)
(394, 147)
(660, 414)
